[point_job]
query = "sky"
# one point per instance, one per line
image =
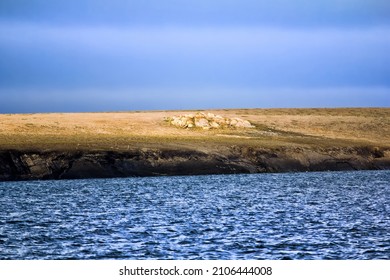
(123, 55)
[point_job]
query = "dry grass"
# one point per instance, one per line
(128, 130)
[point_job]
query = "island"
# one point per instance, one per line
(197, 142)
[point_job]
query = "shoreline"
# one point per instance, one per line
(55, 165)
(125, 144)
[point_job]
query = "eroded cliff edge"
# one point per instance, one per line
(33, 165)
(153, 143)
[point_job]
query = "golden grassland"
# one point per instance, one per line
(121, 131)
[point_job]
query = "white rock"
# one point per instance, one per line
(207, 121)
(214, 124)
(202, 122)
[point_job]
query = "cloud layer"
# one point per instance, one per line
(64, 52)
(125, 57)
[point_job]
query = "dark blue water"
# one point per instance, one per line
(335, 215)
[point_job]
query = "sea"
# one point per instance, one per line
(318, 215)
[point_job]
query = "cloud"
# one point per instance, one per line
(58, 56)
(200, 12)
(89, 55)
(170, 39)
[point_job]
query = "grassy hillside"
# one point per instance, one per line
(121, 131)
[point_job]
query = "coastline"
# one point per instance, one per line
(107, 145)
(34, 165)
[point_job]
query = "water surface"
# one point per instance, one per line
(327, 215)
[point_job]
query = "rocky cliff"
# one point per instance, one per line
(31, 165)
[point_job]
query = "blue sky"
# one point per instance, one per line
(107, 55)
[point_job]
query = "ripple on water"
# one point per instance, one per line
(329, 215)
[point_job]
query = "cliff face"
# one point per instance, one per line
(31, 165)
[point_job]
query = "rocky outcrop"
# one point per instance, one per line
(31, 165)
(207, 121)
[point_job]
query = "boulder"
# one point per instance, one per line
(201, 122)
(207, 121)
